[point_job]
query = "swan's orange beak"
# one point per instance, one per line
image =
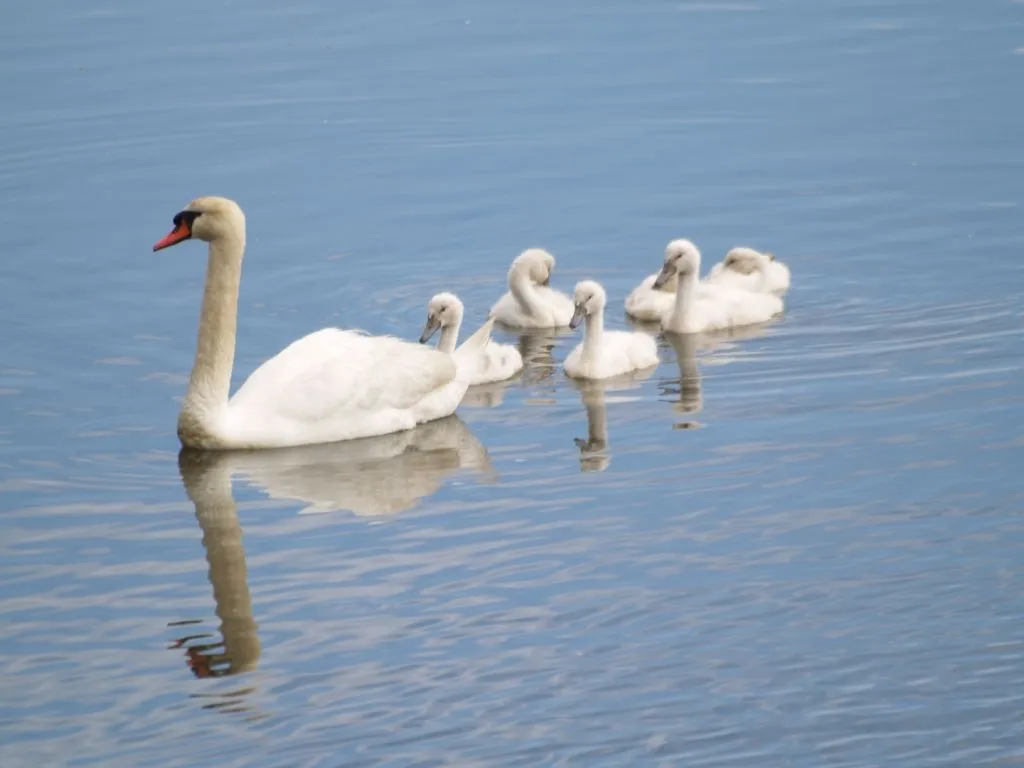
(176, 235)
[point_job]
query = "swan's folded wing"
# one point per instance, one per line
(332, 371)
(399, 374)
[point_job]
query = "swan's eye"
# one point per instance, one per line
(188, 217)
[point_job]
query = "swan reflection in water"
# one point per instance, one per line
(594, 450)
(207, 480)
(373, 476)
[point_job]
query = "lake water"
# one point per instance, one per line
(799, 546)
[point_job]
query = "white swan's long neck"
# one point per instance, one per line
(450, 336)
(210, 383)
(686, 294)
(524, 291)
(592, 334)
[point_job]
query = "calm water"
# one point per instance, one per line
(801, 546)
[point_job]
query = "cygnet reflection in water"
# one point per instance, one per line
(373, 476)
(537, 348)
(207, 480)
(595, 455)
(486, 395)
(642, 325)
(686, 389)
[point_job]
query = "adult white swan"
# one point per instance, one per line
(495, 362)
(330, 385)
(530, 301)
(752, 270)
(695, 311)
(603, 353)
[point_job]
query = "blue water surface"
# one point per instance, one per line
(795, 546)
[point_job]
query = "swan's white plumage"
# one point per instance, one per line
(328, 386)
(339, 385)
(602, 353)
(530, 302)
(697, 310)
(751, 270)
(494, 362)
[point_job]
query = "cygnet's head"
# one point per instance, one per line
(746, 261)
(536, 263)
(589, 298)
(205, 218)
(681, 258)
(444, 311)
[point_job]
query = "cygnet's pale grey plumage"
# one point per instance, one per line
(495, 362)
(713, 308)
(604, 353)
(531, 302)
(752, 270)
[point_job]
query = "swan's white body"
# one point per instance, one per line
(340, 385)
(495, 362)
(530, 302)
(602, 353)
(328, 386)
(750, 270)
(694, 311)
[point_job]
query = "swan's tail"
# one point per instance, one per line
(470, 353)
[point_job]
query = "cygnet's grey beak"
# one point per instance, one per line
(577, 316)
(429, 329)
(667, 271)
